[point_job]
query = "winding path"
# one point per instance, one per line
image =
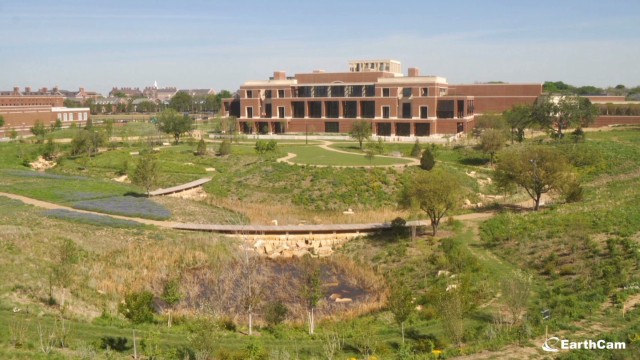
(326, 145)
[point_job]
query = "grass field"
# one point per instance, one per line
(313, 155)
(582, 259)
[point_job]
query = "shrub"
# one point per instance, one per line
(202, 148)
(225, 147)
(264, 146)
(427, 161)
(416, 150)
(137, 307)
(275, 313)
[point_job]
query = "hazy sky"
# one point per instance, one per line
(221, 44)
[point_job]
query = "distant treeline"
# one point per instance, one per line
(559, 87)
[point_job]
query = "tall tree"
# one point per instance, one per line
(311, 289)
(361, 131)
(491, 141)
(536, 169)
(519, 117)
(251, 291)
(435, 192)
(401, 304)
(568, 111)
(171, 295)
(146, 172)
(39, 131)
(181, 101)
(171, 122)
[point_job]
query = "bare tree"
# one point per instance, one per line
(516, 289)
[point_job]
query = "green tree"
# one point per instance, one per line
(491, 141)
(202, 148)
(13, 134)
(39, 131)
(171, 122)
(519, 117)
(137, 307)
(1, 121)
(49, 149)
(491, 121)
(181, 102)
(569, 111)
(146, 172)
(311, 289)
(427, 161)
(537, 169)
(401, 304)
(275, 312)
(172, 296)
(361, 131)
(225, 147)
(416, 150)
(434, 192)
(87, 141)
(65, 256)
(265, 146)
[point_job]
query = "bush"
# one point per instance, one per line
(202, 148)
(275, 313)
(264, 146)
(225, 147)
(137, 307)
(427, 161)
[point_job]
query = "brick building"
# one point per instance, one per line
(372, 90)
(22, 109)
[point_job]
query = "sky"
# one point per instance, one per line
(221, 44)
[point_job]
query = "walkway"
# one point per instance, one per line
(326, 145)
(249, 229)
(179, 188)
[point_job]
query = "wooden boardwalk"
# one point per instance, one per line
(179, 188)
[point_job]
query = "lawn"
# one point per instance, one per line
(313, 155)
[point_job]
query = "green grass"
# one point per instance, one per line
(313, 155)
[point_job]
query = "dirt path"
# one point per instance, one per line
(326, 145)
(52, 206)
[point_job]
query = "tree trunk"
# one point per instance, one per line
(250, 323)
(169, 320)
(537, 206)
(402, 330)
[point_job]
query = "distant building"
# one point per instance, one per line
(22, 109)
(159, 94)
(127, 91)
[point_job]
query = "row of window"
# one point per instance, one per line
(332, 110)
(69, 116)
(338, 91)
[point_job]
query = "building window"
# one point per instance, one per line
(406, 111)
(250, 112)
(369, 90)
(386, 92)
(249, 94)
(281, 112)
(280, 93)
(424, 112)
(406, 92)
(267, 94)
(386, 112)
(86, 116)
(367, 109)
(64, 117)
(298, 109)
(268, 111)
(337, 91)
(424, 92)
(331, 127)
(443, 91)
